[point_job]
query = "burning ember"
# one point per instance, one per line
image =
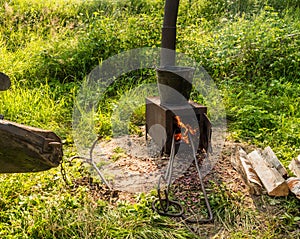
(181, 130)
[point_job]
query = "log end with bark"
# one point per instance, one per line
(295, 166)
(294, 185)
(271, 158)
(28, 149)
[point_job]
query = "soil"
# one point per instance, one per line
(132, 165)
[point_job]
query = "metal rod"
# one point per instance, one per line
(169, 171)
(95, 166)
(210, 214)
(100, 174)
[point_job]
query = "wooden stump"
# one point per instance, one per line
(4, 82)
(27, 149)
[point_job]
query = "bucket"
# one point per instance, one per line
(174, 84)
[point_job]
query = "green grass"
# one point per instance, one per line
(77, 215)
(251, 49)
(39, 107)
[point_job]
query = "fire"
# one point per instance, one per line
(183, 129)
(177, 136)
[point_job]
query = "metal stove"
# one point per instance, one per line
(172, 115)
(161, 123)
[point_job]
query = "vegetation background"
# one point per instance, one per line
(250, 48)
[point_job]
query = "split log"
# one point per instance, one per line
(271, 158)
(295, 166)
(242, 164)
(269, 176)
(294, 185)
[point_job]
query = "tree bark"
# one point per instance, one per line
(294, 185)
(295, 166)
(27, 149)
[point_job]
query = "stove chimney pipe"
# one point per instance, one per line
(169, 33)
(174, 82)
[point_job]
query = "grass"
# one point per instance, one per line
(249, 48)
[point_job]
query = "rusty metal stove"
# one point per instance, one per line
(174, 85)
(160, 125)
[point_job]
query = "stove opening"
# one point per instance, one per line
(181, 130)
(177, 121)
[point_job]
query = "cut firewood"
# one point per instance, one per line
(269, 176)
(242, 164)
(294, 185)
(295, 166)
(271, 158)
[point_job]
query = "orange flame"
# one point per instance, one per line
(177, 137)
(185, 129)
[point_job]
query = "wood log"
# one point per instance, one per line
(27, 149)
(295, 166)
(294, 185)
(271, 158)
(242, 164)
(4, 82)
(269, 176)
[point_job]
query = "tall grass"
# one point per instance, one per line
(250, 48)
(256, 63)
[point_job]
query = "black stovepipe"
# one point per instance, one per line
(169, 33)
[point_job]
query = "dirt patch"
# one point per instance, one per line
(131, 165)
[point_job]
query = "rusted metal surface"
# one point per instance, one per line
(175, 84)
(169, 33)
(160, 118)
(27, 149)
